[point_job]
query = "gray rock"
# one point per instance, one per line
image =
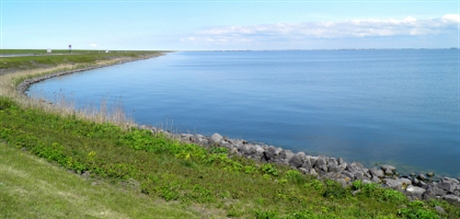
(296, 161)
(440, 210)
(414, 192)
(388, 169)
(340, 161)
(286, 155)
(392, 183)
(187, 137)
(449, 180)
(216, 138)
(405, 182)
(351, 168)
(448, 187)
(200, 139)
(321, 164)
(376, 173)
(307, 164)
(375, 179)
(452, 199)
(430, 174)
(422, 177)
(433, 192)
(332, 166)
(270, 153)
(313, 172)
(348, 174)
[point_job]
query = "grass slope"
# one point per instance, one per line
(33, 188)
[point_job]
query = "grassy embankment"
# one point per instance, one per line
(135, 174)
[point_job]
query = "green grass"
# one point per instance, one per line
(53, 60)
(189, 175)
(30, 187)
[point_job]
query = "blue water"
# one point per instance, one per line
(391, 106)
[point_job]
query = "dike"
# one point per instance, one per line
(415, 187)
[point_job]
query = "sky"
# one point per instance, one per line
(228, 24)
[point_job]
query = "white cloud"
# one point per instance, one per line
(93, 44)
(408, 26)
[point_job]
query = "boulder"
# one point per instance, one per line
(321, 164)
(348, 174)
(200, 139)
(286, 155)
(433, 192)
(440, 210)
(296, 161)
(270, 153)
(394, 184)
(448, 187)
(452, 199)
(216, 138)
(422, 177)
(376, 173)
(414, 192)
(388, 169)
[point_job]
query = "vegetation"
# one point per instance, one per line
(165, 177)
(43, 60)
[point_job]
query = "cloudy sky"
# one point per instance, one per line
(228, 24)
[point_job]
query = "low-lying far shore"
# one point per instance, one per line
(24, 85)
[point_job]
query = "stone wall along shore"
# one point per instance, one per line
(421, 186)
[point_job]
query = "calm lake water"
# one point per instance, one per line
(390, 106)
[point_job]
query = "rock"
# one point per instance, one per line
(187, 137)
(375, 179)
(296, 161)
(449, 180)
(448, 187)
(286, 155)
(351, 168)
(430, 174)
(348, 174)
(422, 177)
(270, 153)
(376, 173)
(321, 164)
(405, 182)
(359, 175)
(313, 172)
(200, 139)
(332, 166)
(440, 210)
(394, 184)
(452, 199)
(433, 192)
(414, 192)
(388, 169)
(216, 138)
(307, 164)
(340, 161)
